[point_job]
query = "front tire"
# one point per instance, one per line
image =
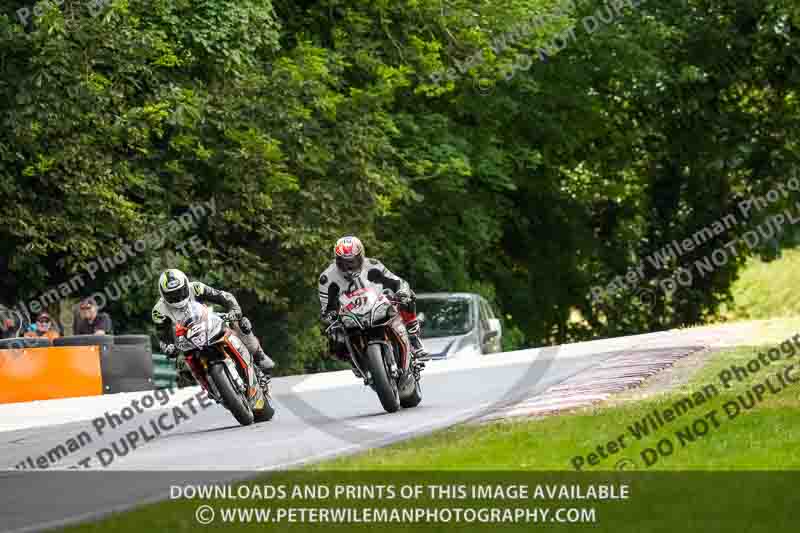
(384, 385)
(231, 399)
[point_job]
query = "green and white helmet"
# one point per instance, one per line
(174, 288)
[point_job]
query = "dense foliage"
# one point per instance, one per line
(303, 120)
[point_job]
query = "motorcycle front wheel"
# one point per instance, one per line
(383, 383)
(230, 396)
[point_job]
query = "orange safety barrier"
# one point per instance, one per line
(46, 373)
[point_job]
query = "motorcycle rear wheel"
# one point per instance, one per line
(231, 398)
(384, 385)
(266, 413)
(413, 396)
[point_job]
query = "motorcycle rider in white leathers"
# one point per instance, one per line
(177, 292)
(351, 270)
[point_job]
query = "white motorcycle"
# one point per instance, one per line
(370, 325)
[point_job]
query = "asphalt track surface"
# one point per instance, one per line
(318, 417)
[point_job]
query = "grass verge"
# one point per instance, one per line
(759, 438)
(767, 289)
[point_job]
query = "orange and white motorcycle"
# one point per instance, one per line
(222, 365)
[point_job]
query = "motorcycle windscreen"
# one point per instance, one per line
(202, 326)
(359, 303)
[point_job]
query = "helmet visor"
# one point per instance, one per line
(350, 265)
(178, 295)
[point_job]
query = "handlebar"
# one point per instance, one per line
(337, 321)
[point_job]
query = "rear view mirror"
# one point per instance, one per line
(495, 326)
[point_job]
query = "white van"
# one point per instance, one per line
(458, 324)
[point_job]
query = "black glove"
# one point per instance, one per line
(235, 314)
(169, 349)
(245, 325)
(403, 295)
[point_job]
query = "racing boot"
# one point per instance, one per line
(417, 348)
(265, 365)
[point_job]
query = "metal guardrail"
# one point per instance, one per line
(164, 374)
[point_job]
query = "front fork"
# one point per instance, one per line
(351, 351)
(395, 372)
(199, 368)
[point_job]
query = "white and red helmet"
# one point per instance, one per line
(349, 253)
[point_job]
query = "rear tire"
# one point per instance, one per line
(265, 414)
(414, 397)
(231, 399)
(384, 385)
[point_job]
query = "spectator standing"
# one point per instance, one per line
(44, 328)
(89, 321)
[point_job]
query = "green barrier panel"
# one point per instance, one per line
(164, 374)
